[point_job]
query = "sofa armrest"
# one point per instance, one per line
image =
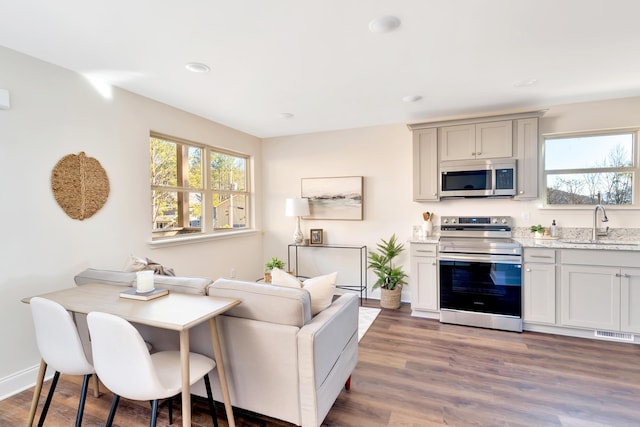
(328, 353)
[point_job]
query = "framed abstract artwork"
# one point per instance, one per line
(337, 198)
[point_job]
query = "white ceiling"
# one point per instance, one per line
(317, 59)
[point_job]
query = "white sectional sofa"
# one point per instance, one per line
(279, 360)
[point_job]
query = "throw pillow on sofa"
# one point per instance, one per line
(282, 278)
(321, 289)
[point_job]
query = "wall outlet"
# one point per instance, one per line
(233, 273)
(526, 216)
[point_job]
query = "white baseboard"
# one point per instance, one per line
(20, 381)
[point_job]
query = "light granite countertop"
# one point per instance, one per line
(604, 244)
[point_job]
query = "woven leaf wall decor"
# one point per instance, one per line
(80, 185)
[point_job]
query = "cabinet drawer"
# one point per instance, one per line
(424, 249)
(604, 258)
(547, 256)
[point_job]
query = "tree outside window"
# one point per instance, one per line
(180, 188)
(590, 169)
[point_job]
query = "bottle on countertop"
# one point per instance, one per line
(554, 229)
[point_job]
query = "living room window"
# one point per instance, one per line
(182, 188)
(590, 169)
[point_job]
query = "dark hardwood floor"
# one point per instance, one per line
(418, 372)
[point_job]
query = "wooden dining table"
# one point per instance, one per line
(175, 311)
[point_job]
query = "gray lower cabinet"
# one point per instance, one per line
(601, 290)
(539, 286)
(424, 279)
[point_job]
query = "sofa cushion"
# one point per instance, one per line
(321, 289)
(185, 285)
(109, 277)
(265, 302)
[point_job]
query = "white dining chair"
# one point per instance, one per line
(60, 347)
(125, 366)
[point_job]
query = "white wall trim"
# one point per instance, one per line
(20, 381)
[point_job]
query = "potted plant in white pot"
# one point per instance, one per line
(537, 230)
(390, 277)
(274, 263)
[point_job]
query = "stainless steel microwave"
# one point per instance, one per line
(478, 178)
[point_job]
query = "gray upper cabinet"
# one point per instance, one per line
(527, 158)
(510, 136)
(425, 165)
(489, 140)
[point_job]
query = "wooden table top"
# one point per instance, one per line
(176, 311)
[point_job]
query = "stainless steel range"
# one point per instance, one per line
(480, 273)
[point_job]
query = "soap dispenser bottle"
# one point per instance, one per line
(554, 229)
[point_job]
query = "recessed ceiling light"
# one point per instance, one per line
(525, 82)
(285, 115)
(384, 24)
(197, 67)
(411, 98)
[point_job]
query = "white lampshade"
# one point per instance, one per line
(297, 207)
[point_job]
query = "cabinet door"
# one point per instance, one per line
(425, 165)
(494, 140)
(539, 293)
(424, 278)
(590, 297)
(458, 142)
(630, 300)
(527, 156)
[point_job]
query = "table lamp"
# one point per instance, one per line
(297, 207)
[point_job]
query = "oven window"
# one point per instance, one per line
(481, 287)
(466, 180)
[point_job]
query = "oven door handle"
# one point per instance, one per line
(489, 259)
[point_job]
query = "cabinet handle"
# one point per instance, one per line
(627, 276)
(541, 256)
(527, 269)
(473, 154)
(433, 263)
(521, 191)
(618, 275)
(478, 153)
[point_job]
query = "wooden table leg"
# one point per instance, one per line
(37, 391)
(217, 351)
(186, 386)
(96, 386)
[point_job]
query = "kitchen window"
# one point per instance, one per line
(590, 169)
(195, 189)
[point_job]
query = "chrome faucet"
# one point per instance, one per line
(594, 236)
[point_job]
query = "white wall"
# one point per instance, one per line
(55, 112)
(383, 156)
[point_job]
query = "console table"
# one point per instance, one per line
(361, 287)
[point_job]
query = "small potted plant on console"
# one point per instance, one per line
(274, 263)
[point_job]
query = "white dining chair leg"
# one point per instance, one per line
(83, 398)
(212, 404)
(47, 402)
(36, 392)
(112, 411)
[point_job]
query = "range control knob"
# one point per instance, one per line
(504, 220)
(453, 220)
(445, 221)
(494, 220)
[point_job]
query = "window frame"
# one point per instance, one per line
(635, 169)
(207, 229)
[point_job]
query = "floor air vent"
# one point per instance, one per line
(620, 336)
